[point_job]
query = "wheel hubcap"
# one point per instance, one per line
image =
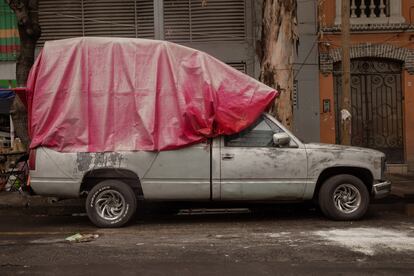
(347, 198)
(110, 205)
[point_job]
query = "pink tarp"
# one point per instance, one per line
(113, 94)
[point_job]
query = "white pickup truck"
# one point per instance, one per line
(265, 162)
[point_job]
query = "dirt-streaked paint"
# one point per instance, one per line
(86, 161)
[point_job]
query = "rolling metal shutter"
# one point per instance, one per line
(241, 66)
(61, 20)
(204, 20)
(145, 18)
(72, 18)
(176, 20)
(109, 18)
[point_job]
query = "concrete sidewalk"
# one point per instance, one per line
(12, 202)
(402, 186)
(402, 194)
(400, 200)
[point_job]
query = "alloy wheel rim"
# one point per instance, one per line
(347, 198)
(110, 205)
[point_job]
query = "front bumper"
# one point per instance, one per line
(381, 189)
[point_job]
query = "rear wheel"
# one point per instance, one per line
(111, 203)
(344, 197)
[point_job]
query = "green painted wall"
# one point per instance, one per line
(8, 83)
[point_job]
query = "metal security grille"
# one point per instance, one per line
(72, 18)
(376, 101)
(197, 20)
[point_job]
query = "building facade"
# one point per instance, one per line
(226, 29)
(382, 76)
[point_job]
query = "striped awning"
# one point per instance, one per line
(9, 35)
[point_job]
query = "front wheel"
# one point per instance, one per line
(111, 203)
(344, 197)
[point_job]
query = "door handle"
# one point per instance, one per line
(227, 156)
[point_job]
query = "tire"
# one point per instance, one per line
(344, 197)
(111, 203)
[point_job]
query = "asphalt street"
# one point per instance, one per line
(284, 241)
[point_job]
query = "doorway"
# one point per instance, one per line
(377, 106)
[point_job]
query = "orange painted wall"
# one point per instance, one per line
(328, 12)
(397, 38)
(408, 10)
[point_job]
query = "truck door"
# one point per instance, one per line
(253, 168)
(182, 174)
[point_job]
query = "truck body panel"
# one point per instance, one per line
(223, 168)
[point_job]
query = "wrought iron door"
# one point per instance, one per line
(376, 100)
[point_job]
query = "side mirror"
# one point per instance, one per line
(281, 139)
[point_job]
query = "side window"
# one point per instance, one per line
(260, 134)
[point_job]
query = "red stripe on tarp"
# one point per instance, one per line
(9, 48)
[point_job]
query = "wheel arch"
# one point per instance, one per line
(364, 174)
(93, 177)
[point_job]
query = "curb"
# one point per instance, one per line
(14, 202)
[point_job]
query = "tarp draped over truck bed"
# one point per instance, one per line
(115, 94)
